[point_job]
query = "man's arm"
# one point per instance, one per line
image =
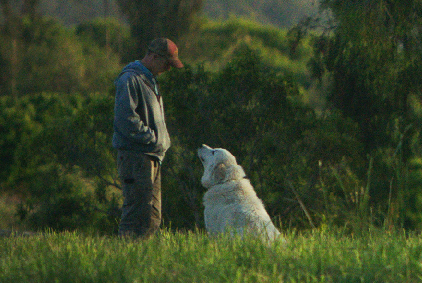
(127, 122)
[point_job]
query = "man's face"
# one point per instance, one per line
(161, 64)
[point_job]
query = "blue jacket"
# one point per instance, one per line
(139, 122)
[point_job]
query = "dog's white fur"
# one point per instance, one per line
(231, 203)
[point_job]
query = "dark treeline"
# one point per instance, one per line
(281, 13)
(324, 118)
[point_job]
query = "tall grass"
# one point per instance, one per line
(314, 256)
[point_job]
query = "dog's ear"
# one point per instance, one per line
(220, 172)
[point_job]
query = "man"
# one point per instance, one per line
(141, 137)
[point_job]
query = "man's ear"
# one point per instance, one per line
(219, 172)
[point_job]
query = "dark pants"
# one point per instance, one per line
(140, 175)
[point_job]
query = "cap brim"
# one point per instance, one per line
(176, 63)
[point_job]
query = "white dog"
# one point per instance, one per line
(231, 203)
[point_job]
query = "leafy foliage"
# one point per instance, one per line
(370, 55)
(108, 34)
(158, 18)
(243, 90)
(60, 160)
(280, 13)
(213, 45)
(44, 56)
(373, 56)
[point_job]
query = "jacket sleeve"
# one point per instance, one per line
(127, 122)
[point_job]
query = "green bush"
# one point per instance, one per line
(107, 34)
(46, 56)
(215, 43)
(61, 160)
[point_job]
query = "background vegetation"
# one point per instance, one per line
(324, 116)
(281, 13)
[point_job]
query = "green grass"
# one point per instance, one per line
(314, 256)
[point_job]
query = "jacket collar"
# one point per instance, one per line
(139, 69)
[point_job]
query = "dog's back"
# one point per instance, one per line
(235, 206)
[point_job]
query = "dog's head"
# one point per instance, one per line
(220, 166)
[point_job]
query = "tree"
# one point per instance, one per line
(57, 159)
(9, 44)
(373, 56)
(29, 8)
(150, 19)
(107, 33)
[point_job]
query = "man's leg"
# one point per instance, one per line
(155, 215)
(141, 181)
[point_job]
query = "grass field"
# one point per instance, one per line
(314, 256)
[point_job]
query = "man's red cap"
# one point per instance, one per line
(167, 48)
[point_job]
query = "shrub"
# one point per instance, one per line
(61, 160)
